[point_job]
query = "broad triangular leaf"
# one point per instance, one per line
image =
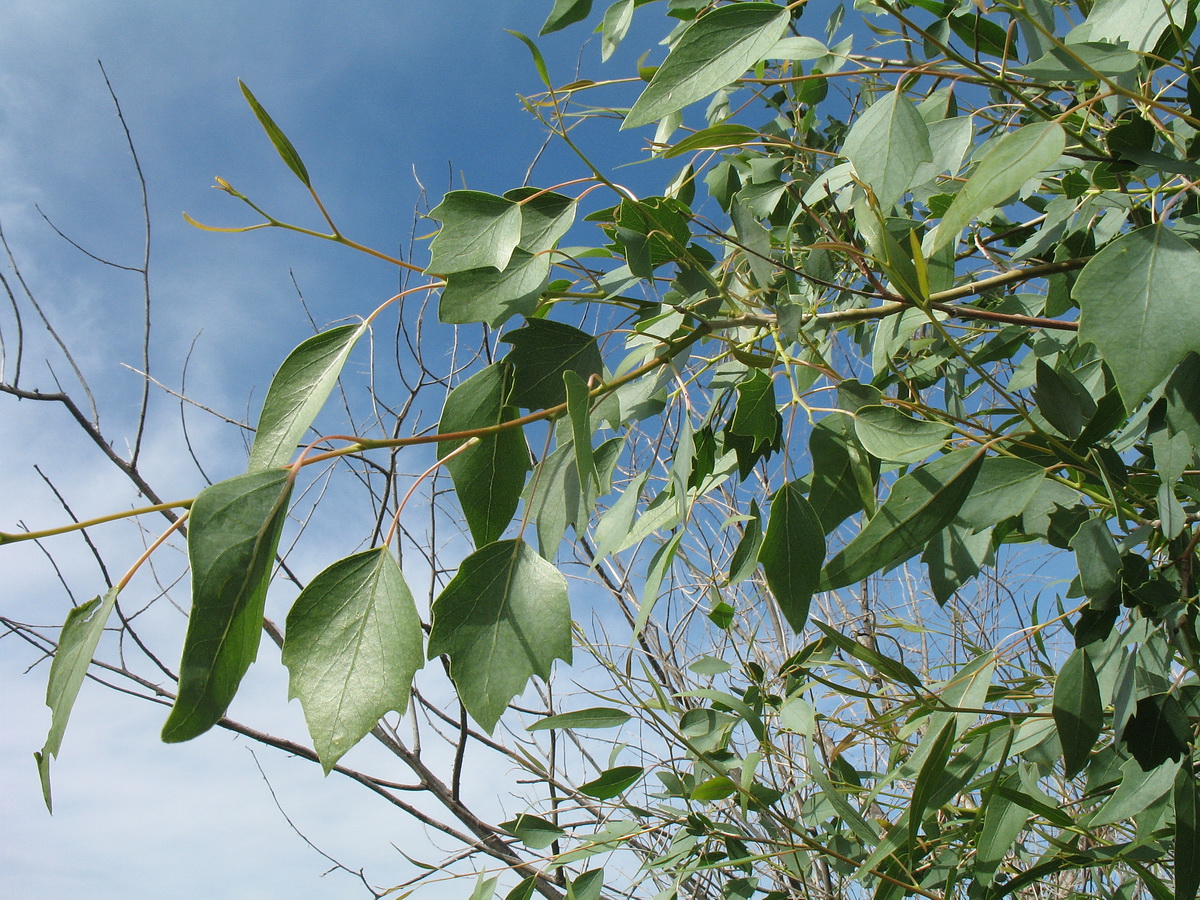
(887, 145)
(541, 352)
(297, 393)
(80, 634)
(1078, 711)
(502, 619)
(493, 296)
(1136, 305)
(889, 434)
(233, 532)
(715, 50)
(844, 474)
(353, 644)
(478, 230)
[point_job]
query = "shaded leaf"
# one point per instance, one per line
(233, 532)
(1157, 731)
(1187, 834)
(844, 475)
(564, 13)
(352, 646)
(792, 552)
(489, 477)
(1136, 307)
(534, 832)
(921, 504)
(502, 619)
(297, 393)
(542, 350)
(76, 644)
(545, 217)
(1078, 711)
(715, 50)
(612, 782)
(493, 296)
(756, 415)
(1004, 488)
(716, 788)
(889, 434)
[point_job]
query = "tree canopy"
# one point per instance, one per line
(821, 524)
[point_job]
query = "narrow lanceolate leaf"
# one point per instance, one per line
(233, 533)
(80, 635)
(596, 717)
(1009, 162)
(887, 145)
(493, 296)
(1137, 307)
(286, 151)
(714, 51)
(1078, 712)
(930, 776)
(353, 644)
(488, 478)
(1187, 834)
(920, 505)
(502, 619)
(297, 393)
(478, 230)
(792, 552)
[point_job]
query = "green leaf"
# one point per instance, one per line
(921, 504)
(614, 27)
(1097, 558)
(727, 134)
(1011, 160)
(593, 718)
(953, 557)
(545, 217)
(844, 475)
(1078, 711)
(586, 886)
(1003, 822)
(534, 832)
(490, 476)
(233, 532)
(1137, 23)
(352, 646)
(76, 644)
(502, 619)
(284, 147)
(612, 782)
(1187, 834)
(541, 352)
(717, 788)
(478, 230)
(297, 393)
(1136, 307)
(745, 556)
(1004, 488)
(492, 296)
(564, 13)
(889, 434)
(715, 50)
(579, 414)
(887, 145)
(1137, 792)
(929, 779)
(756, 415)
(792, 552)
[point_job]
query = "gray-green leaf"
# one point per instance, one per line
(887, 145)
(792, 552)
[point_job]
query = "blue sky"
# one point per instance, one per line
(369, 92)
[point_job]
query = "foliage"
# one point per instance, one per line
(928, 299)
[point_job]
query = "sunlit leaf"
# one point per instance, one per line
(286, 151)
(534, 832)
(612, 782)
(716, 49)
(233, 531)
(297, 393)
(502, 619)
(542, 350)
(478, 230)
(353, 644)
(887, 145)
(593, 718)
(76, 644)
(887, 433)
(564, 13)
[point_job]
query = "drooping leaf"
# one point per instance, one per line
(1097, 558)
(233, 532)
(1078, 711)
(352, 646)
(502, 619)
(1136, 23)
(745, 557)
(493, 296)
(921, 504)
(843, 473)
(1157, 731)
(284, 147)
(792, 552)
(756, 415)
(887, 145)
(76, 644)
(1004, 488)
(889, 434)
(1187, 834)
(488, 477)
(1003, 821)
(297, 393)
(478, 230)
(715, 50)
(596, 717)
(1136, 792)
(614, 27)
(542, 350)
(612, 782)
(929, 779)
(1010, 161)
(545, 217)
(1134, 297)
(564, 13)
